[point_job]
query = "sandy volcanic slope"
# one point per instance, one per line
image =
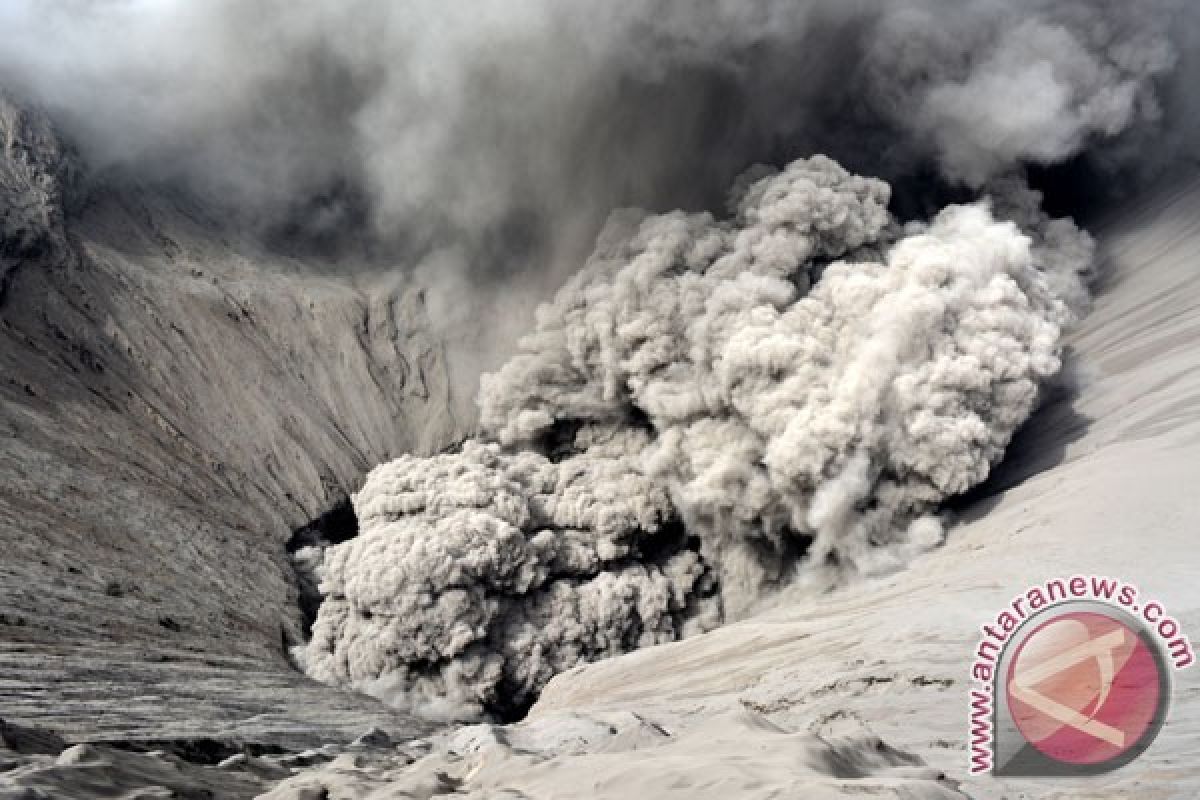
(1109, 487)
(172, 405)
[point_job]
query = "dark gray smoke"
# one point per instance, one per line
(487, 142)
(512, 128)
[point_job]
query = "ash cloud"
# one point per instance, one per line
(481, 574)
(706, 401)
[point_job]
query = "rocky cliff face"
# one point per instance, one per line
(174, 402)
(35, 174)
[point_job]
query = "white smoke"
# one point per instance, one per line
(1020, 83)
(706, 406)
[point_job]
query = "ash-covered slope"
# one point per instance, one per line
(173, 403)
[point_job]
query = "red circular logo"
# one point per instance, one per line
(1084, 688)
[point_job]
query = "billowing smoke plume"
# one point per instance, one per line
(703, 403)
(481, 574)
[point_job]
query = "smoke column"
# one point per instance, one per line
(788, 375)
